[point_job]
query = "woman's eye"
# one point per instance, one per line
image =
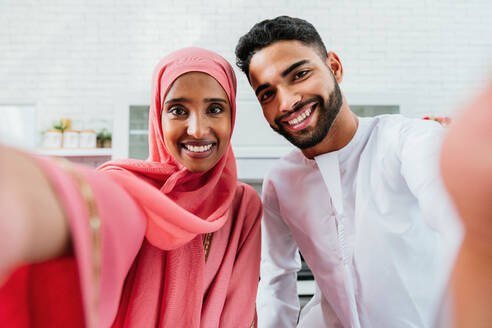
(216, 109)
(178, 111)
(300, 74)
(266, 95)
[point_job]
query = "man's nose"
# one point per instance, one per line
(197, 126)
(288, 99)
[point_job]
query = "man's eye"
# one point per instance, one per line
(215, 109)
(178, 111)
(266, 95)
(300, 74)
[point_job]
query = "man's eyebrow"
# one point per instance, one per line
(262, 87)
(293, 67)
(284, 74)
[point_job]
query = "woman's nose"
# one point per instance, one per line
(197, 126)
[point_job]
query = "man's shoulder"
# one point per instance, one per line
(392, 127)
(285, 164)
(284, 173)
(393, 122)
(400, 121)
(402, 138)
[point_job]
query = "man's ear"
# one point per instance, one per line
(335, 65)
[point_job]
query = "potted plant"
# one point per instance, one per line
(63, 124)
(104, 139)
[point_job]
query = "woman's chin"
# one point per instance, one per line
(199, 165)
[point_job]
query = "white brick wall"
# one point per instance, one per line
(90, 59)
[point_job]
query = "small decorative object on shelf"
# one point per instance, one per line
(88, 139)
(444, 120)
(104, 139)
(52, 139)
(71, 138)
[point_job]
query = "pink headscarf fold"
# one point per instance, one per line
(180, 204)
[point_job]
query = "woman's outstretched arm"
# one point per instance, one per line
(48, 208)
(33, 226)
(467, 172)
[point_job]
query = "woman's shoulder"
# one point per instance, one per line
(247, 209)
(246, 192)
(247, 202)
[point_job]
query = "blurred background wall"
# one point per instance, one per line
(91, 60)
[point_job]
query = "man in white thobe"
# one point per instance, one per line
(361, 198)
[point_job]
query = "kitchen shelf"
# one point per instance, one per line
(79, 152)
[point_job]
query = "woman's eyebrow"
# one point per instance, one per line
(186, 100)
(222, 100)
(180, 99)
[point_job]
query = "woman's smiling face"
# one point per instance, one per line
(196, 121)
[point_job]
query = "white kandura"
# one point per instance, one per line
(372, 221)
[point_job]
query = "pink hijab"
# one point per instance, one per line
(196, 203)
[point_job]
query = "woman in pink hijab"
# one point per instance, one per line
(173, 241)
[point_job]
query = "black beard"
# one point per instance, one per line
(311, 136)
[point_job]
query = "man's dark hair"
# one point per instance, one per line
(269, 31)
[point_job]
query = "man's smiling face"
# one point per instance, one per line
(298, 92)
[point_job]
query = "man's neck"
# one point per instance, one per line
(341, 132)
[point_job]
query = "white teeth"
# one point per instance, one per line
(301, 117)
(198, 149)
